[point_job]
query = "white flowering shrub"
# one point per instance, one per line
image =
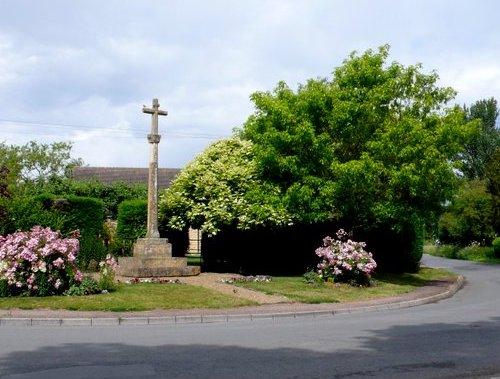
(344, 260)
(38, 262)
(220, 187)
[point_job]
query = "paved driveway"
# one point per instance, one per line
(454, 338)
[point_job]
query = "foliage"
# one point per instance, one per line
(107, 272)
(221, 188)
(496, 247)
(345, 261)
(4, 193)
(38, 262)
(480, 149)
(88, 286)
(492, 174)
(373, 145)
(473, 252)
(131, 225)
(37, 164)
(312, 277)
(65, 215)
(111, 194)
(24, 213)
(469, 217)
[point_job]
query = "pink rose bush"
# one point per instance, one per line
(344, 260)
(39, 262)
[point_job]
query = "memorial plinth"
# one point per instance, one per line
(153, 258)
(153, 255)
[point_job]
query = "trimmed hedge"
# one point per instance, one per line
(132, 224)
(64, 214)
(85, 214)
(290, 251)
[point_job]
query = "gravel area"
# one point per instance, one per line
(215, 281)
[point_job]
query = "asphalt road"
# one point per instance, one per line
(454, 338)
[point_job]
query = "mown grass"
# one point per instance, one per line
(132, 297)
(150, 296)
(383, 285)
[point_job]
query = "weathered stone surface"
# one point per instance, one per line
(152, 247)
(153, 255)
(153, 258)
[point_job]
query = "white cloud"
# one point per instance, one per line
(94, 68)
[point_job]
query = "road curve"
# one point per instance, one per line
(454, 338)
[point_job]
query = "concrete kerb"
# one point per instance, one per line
(336, 309)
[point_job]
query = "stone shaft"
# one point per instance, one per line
(154, 140)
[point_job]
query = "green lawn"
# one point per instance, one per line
(384, 285)
(150, 296)
(132, 297)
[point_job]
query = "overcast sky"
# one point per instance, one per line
(81, 70)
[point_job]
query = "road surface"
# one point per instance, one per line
(454, 338)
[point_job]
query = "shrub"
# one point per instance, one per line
(496, 247)
(107, 270)
(446, 251)
(88, 286)
(65, 215)
(132, 220)
(38, 262)
(344, 260)
(469, 217)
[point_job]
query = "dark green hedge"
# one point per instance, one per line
(290, 251)
(132, 224)
(132, 219)
(85, 214)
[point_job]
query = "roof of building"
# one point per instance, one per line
(130, 175)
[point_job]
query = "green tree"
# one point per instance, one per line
(375, 144)
(492, 174)
(480, 149)
(469, 217)
(220, 187)
(35, 165)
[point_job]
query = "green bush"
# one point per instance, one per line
(446, 251)
(496, 247)
(24, 213)
(88, 286)
(4, 288)
(132, 220)
(64, 214)
(469, 218)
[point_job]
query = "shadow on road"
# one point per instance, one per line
(439, 350)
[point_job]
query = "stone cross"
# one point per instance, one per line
(154, 140)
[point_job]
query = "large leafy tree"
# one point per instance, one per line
(375, 144)
(481, 148)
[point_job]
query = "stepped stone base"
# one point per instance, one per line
(153, 258)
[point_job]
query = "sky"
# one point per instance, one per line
(81, 70)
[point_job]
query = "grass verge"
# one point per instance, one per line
(150, 296)
(384, 285)
(483, 254)
(132, 297)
